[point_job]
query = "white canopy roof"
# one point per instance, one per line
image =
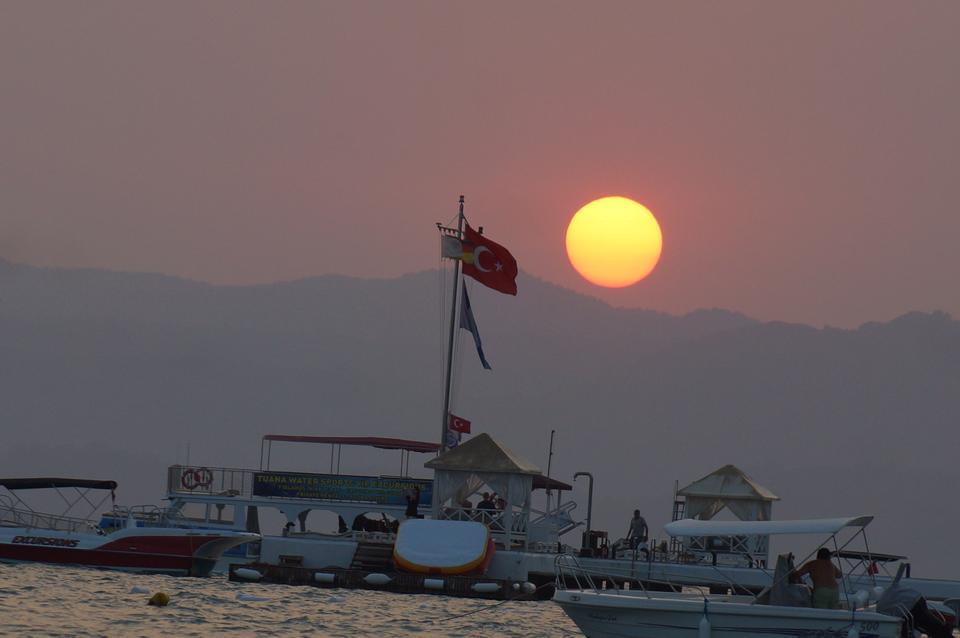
(693, 527)
(482, 453)
(728, 482)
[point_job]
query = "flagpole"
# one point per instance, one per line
(454, 313)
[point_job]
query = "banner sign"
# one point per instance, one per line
(341, 487)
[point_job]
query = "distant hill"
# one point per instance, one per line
(112, 374)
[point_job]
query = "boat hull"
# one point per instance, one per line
(633, 615)
(175, 552)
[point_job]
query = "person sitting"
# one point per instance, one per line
(824, 574)
(486, 503)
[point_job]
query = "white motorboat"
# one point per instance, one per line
(636, 614)
(606, 613)
(27, 535)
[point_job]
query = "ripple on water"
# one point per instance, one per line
(43, 600)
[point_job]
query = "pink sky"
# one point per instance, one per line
(802, 158)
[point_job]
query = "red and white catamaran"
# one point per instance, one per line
(27, 535)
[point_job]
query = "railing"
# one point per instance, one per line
(571, 574)
(548, 527)
(729, 550)
(568, 570)
(234, 482)
(149, 515)
(493, 519)
(16, 517)
(216, 481)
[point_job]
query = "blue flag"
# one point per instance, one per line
(467, 322)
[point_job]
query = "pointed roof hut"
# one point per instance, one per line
(728, 487)
(462, 471)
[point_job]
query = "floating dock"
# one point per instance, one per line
(392, 581)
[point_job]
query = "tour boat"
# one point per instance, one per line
(27, 535)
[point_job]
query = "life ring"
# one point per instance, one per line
(192, 479)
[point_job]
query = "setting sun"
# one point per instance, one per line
(614, 242)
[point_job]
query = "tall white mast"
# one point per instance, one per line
(454, 321)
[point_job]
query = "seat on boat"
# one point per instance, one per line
(782, 591)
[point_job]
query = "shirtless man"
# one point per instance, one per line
(824, 574)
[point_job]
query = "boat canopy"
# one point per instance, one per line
(694, 527)
(850, 554)
(383, 443)
(51, 483)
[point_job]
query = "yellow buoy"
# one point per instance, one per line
(159, 599)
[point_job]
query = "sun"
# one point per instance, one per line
(614, 242)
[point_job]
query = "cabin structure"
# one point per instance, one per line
(727, 488)
(484, 464)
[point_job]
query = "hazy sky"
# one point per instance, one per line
(802, 158)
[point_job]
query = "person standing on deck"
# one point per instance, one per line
(413, 502)
(824, 574)
(637, 533)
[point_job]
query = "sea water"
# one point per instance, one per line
(45, 600)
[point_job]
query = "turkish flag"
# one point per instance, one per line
(459, 425)
(488, 262)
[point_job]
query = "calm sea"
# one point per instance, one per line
(40, 600)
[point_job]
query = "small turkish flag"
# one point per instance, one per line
(459, 425)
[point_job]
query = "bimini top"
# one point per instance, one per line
(370, 441)
(50, 483)
(695, 527)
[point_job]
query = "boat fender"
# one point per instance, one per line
(861, 597)
(516, 587)
(433, 583)
(247, 574)
(703, 631)
(877, 592)
(853, 633)
(485, 588)
(528, 588)
(159, 599)
(324, 577)
(376, 579)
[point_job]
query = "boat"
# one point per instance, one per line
(337, 527)
(27, 535)
(781, 609)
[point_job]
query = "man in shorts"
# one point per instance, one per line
(824, 574)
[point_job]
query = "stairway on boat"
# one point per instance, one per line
(373, 557)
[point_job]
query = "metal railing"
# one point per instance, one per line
(494, 519)
(209, 481)
(570, 573)
(17, 517)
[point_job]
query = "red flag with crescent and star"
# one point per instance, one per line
(488, 262)
(459, 424)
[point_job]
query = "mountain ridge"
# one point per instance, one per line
(110, 370)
